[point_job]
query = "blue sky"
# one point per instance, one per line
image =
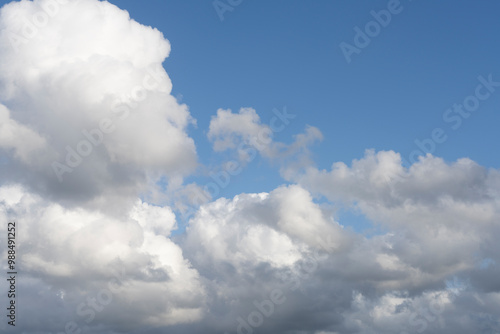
(270, 54)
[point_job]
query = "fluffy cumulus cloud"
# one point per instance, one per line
(433, 264)
(85, 265)
(83, 86)
(449, 209)
(442, 225)
(87, 129)
(245, 134)
(261, 253)
(275, 228)
(431, 268)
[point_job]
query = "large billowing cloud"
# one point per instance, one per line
(100, 271)
(274, 228)
(87, 111)
(442, 223)
(274, 262)
(434, 264)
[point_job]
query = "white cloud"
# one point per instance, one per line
(226, 127)
(90, 81)
(441, 216)
(275, 228)
(236, 251)
(244, 133)
(80, 251)
(439, 223)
